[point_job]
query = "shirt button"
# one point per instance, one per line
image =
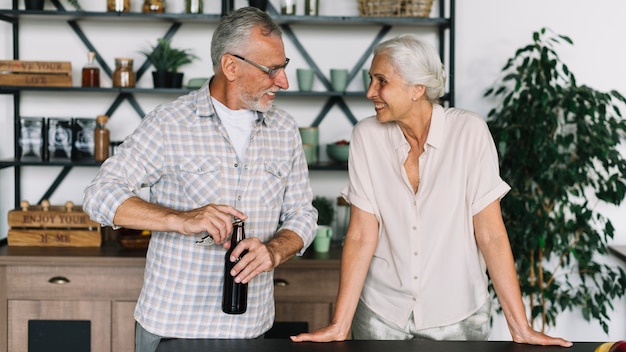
(414, 228)
(245, 167)
(236, 165)
(238, 197)
(414, 299)
(199, 169)
(415, 253)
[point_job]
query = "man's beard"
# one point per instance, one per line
(255, 103)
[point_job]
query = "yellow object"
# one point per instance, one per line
(605, 347)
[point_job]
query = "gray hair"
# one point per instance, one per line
(416, 62)
(232, 35)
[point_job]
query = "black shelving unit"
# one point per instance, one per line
(444, 25)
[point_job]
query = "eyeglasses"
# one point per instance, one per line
(272, 72)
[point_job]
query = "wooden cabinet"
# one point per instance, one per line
(306, 288)
(78, 284)
(21, 311)
(102, 285)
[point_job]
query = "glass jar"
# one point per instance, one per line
(288, 7)
(311, 7)
(153, 6)
(118, 5)
(193, 6)
(123, 76)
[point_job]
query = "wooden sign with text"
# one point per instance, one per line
(52, 226)
(35, 73)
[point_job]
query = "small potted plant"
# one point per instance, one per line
(166, 61)
(325, 216)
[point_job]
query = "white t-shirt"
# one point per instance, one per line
(238, 124)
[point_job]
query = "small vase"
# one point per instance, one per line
(36, 5)
(194, 6)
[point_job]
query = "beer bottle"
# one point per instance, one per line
(235, 296)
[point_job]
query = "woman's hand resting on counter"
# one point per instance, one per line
(329, 333)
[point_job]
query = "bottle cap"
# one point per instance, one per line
(102, 119)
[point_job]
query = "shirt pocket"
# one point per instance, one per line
(200, 180)
(274, 183)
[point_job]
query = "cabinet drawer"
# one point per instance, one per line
(67, 282)
(315, 285)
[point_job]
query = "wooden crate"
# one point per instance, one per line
(52, 226)
(35, 73)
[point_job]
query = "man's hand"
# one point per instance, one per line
(214, 219)
(262, 257)
(258, 259)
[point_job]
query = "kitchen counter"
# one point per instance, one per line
(285, 345)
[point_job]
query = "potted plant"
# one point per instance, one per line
(325, 216)
(325, 210)
(166, 61)
(557, 143)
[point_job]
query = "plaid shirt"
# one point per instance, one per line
(182, 152)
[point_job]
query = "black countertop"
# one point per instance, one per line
(285, 345)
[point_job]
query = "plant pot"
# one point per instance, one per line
(36, 5)
(259, 4)
(159, 79)
(175, 79)
(165, 79)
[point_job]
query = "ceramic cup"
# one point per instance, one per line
(339, 79)
(310, 153)
(310, 135)
(305, 79)
(323, 237)
(366, 78)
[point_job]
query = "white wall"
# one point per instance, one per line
(488, 32)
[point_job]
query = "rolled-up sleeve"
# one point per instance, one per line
(122, 176)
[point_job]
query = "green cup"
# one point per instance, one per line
(323, 237)
(305, 79)
(366, 79)
(310, 135)
(339, 79)
(310, 153)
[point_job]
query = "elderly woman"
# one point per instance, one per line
(425, 221)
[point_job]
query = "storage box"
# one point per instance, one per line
(83, 139)
(35, 73)
(31, 139)
(52, 226)
(60, 139)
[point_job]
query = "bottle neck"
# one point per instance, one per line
(238, 233)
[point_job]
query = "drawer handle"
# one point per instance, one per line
(59, 280)
(281, 282)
